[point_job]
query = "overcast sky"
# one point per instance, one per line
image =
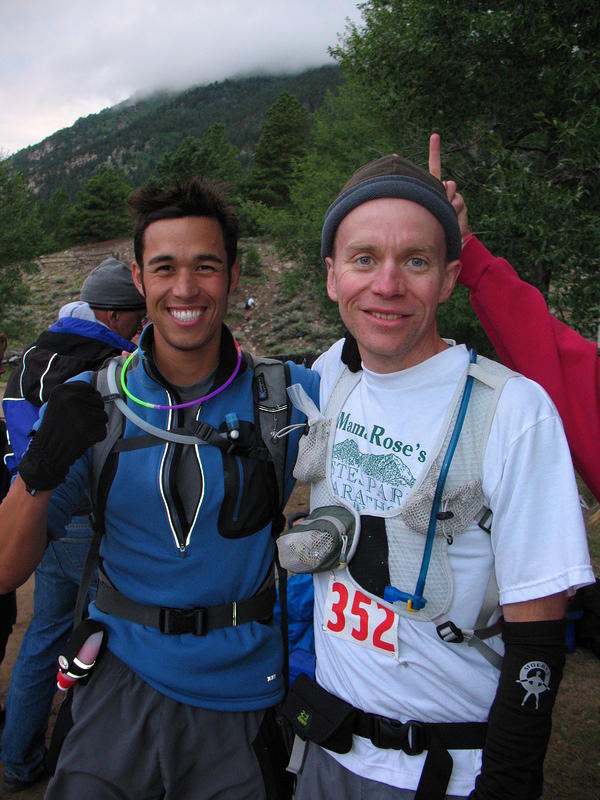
(64, 59)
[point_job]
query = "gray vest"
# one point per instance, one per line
(462, 500)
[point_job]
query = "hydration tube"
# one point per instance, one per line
(160, 433)
(416, 601)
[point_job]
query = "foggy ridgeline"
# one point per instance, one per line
(135, 134)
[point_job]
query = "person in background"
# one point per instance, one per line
(529, 339)
(88, 331)
(8, 602)
(249, 308)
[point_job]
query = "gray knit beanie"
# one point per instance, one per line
(110, 285)
(392, 176)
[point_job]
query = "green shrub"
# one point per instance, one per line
(251, 263)
(292, 282)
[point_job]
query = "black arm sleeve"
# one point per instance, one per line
(520, 718)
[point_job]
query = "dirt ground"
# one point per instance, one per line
(573, 761)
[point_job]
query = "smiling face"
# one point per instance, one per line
(186, 283)
(388, 274)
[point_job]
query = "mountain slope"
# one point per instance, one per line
(135, 134)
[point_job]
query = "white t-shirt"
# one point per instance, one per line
(538, 547)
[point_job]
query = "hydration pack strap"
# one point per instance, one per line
(273, 411)
(475, 637)
(198, 437)
(198, 621)
(209, 435)
(101, 484)
(282, 576)
(330, 722)
(416, 601)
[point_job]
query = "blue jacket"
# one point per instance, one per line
(224, 555)
(68, 347)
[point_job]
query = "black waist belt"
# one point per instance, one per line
(198, 621)
(330, 722)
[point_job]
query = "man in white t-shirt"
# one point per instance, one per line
(391, 395)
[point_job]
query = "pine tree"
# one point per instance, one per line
(100, 211)
(282, 142)
(21, 236)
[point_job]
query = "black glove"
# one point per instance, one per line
(74, 420)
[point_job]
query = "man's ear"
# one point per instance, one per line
(331, 285)
(234, 277)
(138, 277)
(451, 274)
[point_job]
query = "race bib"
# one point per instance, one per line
(354, 616)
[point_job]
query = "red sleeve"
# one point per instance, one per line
(530, 340)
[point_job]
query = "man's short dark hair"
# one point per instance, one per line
(191, 198)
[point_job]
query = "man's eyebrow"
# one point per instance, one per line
(359, 245)
(161, 258)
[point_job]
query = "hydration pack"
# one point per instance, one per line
(272, 410)
(444, 502)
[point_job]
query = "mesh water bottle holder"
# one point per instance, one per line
(312, 452)
(319, 542)
(458, 508)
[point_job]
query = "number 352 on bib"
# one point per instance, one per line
(354, 616)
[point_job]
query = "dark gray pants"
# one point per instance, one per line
(129, 742)
(324, 778)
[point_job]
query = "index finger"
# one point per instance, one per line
(435, 158)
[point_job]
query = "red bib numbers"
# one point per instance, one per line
(354, 616)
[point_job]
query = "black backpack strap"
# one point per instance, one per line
(4, 475)
(62, 726)
(105, 459)
(282, 582)
(272, 412)
(107, 475)
(99, 494)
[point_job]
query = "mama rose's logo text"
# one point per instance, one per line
(376, 435)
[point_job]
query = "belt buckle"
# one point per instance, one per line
(203, 430)
(416, 738)
(449, 632)
(390, 734)
(173, 621)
